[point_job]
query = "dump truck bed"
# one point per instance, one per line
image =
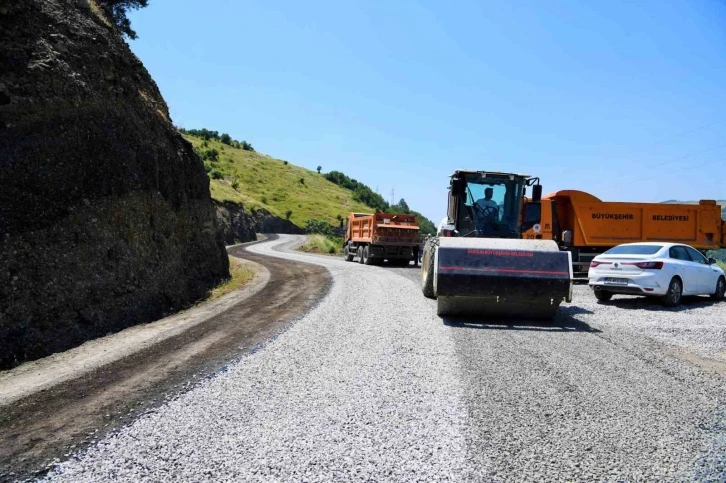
(596, 223)
(383, 229)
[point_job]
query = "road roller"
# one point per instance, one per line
(480, 262)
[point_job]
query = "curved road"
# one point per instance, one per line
(371, 385)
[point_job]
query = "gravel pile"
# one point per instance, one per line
(362, 388)
(371, 385)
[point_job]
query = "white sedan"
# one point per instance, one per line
(666, 270)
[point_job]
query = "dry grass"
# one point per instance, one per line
(241, 274)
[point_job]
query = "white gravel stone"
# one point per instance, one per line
(371, 385)
(364, 387)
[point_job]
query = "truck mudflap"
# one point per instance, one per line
(501, 278)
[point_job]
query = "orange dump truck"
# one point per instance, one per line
(584, 225)
(375, 237)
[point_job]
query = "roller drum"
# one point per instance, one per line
(501, 277)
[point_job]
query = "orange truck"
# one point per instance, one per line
(586, 226)
(375, 237)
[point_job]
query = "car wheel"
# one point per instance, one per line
(603, 295)
(674, 293)
(720, 289)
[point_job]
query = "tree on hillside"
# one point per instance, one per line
(116, 11)
(403, 206)
(247, 146)
(319, 168)
(226, 139)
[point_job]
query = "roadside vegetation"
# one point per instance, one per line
(240, 275)
(324, 245)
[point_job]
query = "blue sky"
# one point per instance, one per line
(624, 100)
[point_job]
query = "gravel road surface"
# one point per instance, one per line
(372, 385)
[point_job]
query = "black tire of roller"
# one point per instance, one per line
(427, 270)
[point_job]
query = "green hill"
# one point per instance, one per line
(239, 174)
(260, 181)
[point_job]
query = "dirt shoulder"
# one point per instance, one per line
(57, 405)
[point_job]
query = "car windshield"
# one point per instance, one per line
(634, 250)
(493, 203)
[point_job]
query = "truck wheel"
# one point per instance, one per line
(367, 256)
(427, 271)
(348, 257)
(360, 254)
(674, 293)
(718, 295)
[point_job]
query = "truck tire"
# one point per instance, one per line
(427, 271)
(360, 254)
(367, 256)
(348, 257)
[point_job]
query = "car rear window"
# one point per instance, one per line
(634, 250)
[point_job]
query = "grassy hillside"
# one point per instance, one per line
(260, 181)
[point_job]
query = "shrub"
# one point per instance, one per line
(226, 139)
(235, 184)
(216, 174)
(247, 146)
(285, 162)
(210, 154)
(321, 227)
(288, 214)
(264, 199)
(302, 180)
(319, 168)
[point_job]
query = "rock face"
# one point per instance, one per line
(239, 226)
(106, 218)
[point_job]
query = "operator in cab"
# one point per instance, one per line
(486, 211)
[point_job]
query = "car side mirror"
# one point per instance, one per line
(711, 261)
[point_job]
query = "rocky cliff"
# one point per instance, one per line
(239, 225)
(106, 219)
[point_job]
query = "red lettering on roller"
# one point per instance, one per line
(499, 253)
